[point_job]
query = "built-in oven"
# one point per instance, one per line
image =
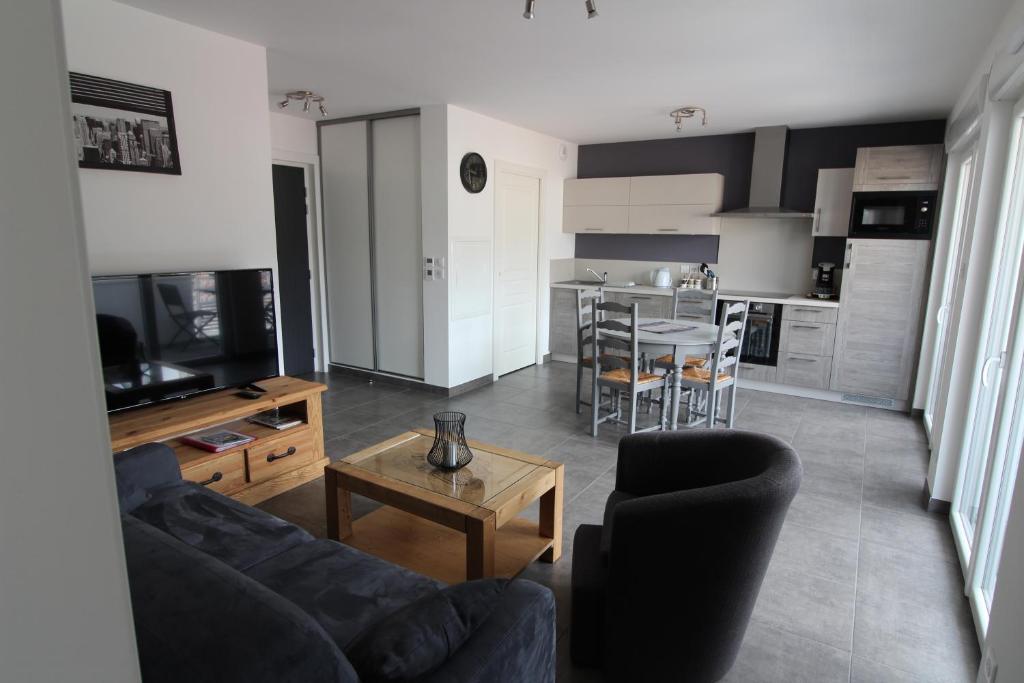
(900, 215)
(761, 337)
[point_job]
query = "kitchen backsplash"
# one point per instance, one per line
(626, 247)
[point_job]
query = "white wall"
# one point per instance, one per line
(292, 134)
(434, 223)
(471, 218)
(64, 598)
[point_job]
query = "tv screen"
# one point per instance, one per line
(171, 335)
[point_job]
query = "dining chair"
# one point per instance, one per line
(697, 305)
(622, 372)
(585, 299)
(722, 370)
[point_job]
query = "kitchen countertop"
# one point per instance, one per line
(729, 294)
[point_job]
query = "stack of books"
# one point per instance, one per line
(217, 440)
(274, 419)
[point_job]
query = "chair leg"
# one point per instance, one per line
(595, 407)
(665, 393)
(633, 404)
(731, 412)
(579, 384)
(713, 395)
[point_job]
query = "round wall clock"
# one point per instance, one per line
(473, 172)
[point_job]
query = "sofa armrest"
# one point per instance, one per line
(141, 470)
(516, 643)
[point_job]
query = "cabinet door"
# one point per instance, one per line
(832, 202)
(693, 188)
(810, 314)
(901, 168)
(756, 372)
(804, 370)
(595, 192)
(877, 335)
(674, 219)
(610, 219)
(563, 321)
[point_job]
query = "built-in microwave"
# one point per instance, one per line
(902, 215)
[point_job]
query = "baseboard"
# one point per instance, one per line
(385, 378)
(820, 394)
(470, 385)
(546, 358)
(935, 505)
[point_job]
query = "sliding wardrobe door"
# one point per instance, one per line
(343, 162)
(397, 245)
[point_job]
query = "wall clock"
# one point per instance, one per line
(473, 172)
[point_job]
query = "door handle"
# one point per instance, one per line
(984, 370)
(817, 220)
(272, 457)
(940, 317)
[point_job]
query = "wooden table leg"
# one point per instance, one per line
(551, 516)
(480, 529)
(677, 390)
(339, 507)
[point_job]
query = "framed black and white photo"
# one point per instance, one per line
(122, 126)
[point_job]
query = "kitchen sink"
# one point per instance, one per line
(595, 283)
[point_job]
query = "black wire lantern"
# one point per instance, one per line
(450, 450)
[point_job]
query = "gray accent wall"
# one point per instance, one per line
(669, 248)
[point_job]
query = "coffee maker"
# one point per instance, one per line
(824, 282)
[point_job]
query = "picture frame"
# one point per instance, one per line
(123, 126)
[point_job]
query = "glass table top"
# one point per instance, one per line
(487, 475)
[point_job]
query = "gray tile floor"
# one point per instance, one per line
(864, 585)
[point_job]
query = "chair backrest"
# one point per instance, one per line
(585, 299)
(695, 304)
(732, 323)
(172, 298)
(628, 355)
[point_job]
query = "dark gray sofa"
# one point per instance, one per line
(224, 592)
(664, 588)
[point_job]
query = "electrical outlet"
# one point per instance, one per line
(988, 667)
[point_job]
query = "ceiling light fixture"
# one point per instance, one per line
(688, 113)
(591, 9)
(307, 97)
(530, 4)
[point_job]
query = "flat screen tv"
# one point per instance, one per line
(167, 336)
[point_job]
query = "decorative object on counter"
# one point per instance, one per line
(710, 279)
(473, 172)
(123, 126)
(688, 112)
(450, 450)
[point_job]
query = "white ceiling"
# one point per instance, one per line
(749, 62)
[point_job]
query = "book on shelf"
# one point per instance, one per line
(217, 440)
(274, 419)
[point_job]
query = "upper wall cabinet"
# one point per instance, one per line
(674, 204)
(913, 168)
(832, 202)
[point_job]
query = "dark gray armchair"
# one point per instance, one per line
(663, 590)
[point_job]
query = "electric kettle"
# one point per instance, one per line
(662, 277)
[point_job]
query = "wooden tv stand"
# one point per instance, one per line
(275, 462)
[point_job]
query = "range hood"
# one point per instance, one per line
(766, 178)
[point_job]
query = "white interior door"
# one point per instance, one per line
(516, 224)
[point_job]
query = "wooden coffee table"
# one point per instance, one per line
(453, 526)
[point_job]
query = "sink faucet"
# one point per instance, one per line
(602, 278)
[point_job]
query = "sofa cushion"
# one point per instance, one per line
(140, 470)
(423, 635)
(345, 590)
(197, 620)
(614, 499)
(237, 534)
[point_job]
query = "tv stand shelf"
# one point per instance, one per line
(276, 461)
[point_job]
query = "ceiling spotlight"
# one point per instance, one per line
(688, 113)
(591, 9)
(307, 97)
(528, 14)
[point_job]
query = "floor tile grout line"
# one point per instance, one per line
(860, 543)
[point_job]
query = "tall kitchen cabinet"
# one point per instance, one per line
(879, 321)
(370, 173)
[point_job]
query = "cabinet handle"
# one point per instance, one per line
(642, 298)
(217, 476)
(894, 177)
(807, 310)
(806, 327)
(593, 229)
(803, 360)
(817, 220)
(272, 457)
(667, 229)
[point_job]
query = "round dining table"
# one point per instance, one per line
(699, 339)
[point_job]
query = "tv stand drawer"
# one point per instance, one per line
(224, 474)
(270, 457)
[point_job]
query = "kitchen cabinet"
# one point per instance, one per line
(817, 339)
(804, 370)
(610, 219)
(832, 202)
(678, 219)
(898, 169)
(811, 314)
(596, 192)
(757, 372)
(878, 327)
(650, 205)
(649, 305)
(806, 342)
(562, 336)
